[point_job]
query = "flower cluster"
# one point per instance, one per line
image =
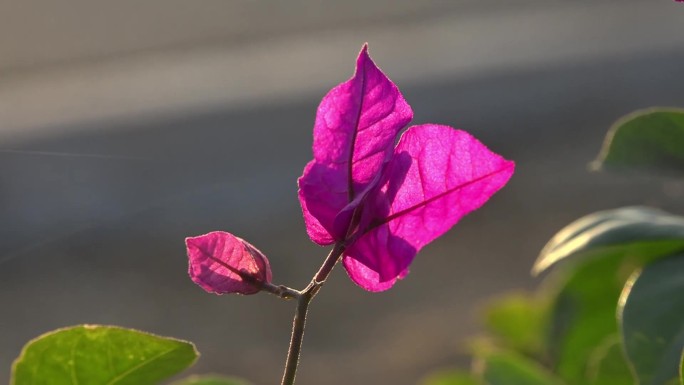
(382, 203)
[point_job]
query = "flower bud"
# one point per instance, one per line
(221, 263)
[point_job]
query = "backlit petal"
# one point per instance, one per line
(436, 176)
(354, 133)
(369, 279)
(221, 263)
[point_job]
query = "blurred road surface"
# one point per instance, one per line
(125, 127)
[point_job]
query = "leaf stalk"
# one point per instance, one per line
(304, 298)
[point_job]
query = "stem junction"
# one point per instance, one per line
(304, 298)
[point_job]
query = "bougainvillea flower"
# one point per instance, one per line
(385, 202)
(221, 263)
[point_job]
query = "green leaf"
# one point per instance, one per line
(681, 369)
(519, 322)
(100, 355)
(606, 247)
(608, 365)
(636, 231)
(583, 311)
(451, 377)
(210, 380)
(507, 368)
(652, 316)
(647, 139)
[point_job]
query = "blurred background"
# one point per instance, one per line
(126, 126)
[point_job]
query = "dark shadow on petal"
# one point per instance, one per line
(382, 252)
(393, 177)
(397, 174)
(376, 247)
(325, 196)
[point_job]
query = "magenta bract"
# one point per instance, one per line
(385, 202)
(221, 263)
(356, 126)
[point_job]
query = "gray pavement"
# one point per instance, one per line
(95, 205)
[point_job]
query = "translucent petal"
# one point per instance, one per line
(436, 176)
(221, 263)
(354, 133)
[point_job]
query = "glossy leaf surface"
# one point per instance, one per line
(652, 316)
(650, 139)
(635, 231)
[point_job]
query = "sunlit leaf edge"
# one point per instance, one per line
(599, 163)
(576, 238)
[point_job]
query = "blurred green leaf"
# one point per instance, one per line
(640, 231)
(646, 139)
(507, 368)
(652, 316)
(451, 377)
(210, 380)
(583, 311)
(99, 355)
(519, 322)
(681, 369)
(608, 365)
(606, 247)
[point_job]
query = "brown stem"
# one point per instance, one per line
(303, 301)
(281, 291)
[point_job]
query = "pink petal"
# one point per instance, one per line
(369, 279)
(221, 263)
(356, 125)
(436, 176)
(319, 205)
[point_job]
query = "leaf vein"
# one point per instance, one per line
(434, 198)
(138, 366)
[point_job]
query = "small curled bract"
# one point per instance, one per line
(222, 263)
